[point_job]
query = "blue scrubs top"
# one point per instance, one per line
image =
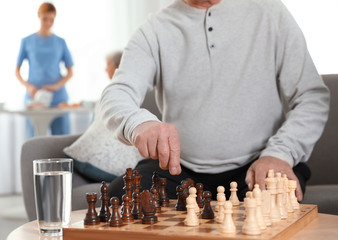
(44, 55)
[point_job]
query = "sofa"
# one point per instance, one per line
(322, 188)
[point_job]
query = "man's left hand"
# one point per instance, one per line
(259, 169)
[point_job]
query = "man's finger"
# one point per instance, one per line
(260, 175)
(152, 146)
(250, 178)
(142, 146)
(163, 151)
(174, 158)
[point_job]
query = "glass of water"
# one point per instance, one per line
(53, 194)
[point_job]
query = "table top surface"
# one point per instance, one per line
(46, 110)
(323, 227)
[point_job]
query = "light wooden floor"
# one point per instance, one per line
(12, 214)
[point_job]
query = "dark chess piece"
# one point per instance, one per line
(207, 212)
(128, 181)
(104, 214)
(156, 199)
(187, 183)
(156, 180)
(115, 219)
(136, 210)
(91, 216)
(181, 201)
(164, 200)
(199, 199)
(148, 208)
(127, 216)
(137, 180)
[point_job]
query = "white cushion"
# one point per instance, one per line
(98, 147)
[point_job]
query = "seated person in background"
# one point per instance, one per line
(237, 88)
(97, 155)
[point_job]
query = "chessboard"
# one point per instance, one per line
(170, 225)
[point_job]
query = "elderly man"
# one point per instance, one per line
(237, 88)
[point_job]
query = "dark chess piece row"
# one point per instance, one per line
(135, 204)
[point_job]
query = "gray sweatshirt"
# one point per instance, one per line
(236, 80)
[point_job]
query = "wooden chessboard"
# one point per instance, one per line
(170, 225)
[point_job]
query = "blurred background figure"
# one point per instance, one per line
(44, 52)
(113, 61)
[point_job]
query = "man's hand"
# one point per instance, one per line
(259, 169)
(159, 141)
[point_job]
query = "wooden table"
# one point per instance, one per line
(324, 227)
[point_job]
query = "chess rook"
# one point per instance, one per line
(91, 216)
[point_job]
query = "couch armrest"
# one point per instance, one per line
(39, 148)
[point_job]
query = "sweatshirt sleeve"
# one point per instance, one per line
(305, 96)
(120, 101)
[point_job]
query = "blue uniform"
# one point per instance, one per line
(44, 55)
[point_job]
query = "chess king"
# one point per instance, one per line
(238, 92)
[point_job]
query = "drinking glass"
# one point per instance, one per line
(53, 194)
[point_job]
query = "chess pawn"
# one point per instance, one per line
(207, 212)
(164, 200)
(220, 192)
(191, 218)
(199, 199)
(271, 183)
(91, 216)
(192, 194)
(293, 199)
(228, 225)
(136, 210)
(250, 226)
(156, 198)
(220, 203)
(257, 193)
(115, 218)
(180, 204)
(233, 196)
(280, 196)
(126, 213)
(266, 198)
(287, 194)
(104, 212)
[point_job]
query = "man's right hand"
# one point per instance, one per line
(161, 141)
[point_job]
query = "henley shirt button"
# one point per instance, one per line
(210, 29)
(209, 14)
(212, 46)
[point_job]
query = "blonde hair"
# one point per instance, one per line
(47, 8)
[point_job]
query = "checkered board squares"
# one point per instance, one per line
(170, 225)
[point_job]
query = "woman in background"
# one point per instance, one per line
(44, 52)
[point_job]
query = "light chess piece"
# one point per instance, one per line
(271, 183)
(193, 195)
(220, 203)
(220, 193)
(293, 198)
(266, 198)
(228, 225)
(233, 196)
(280, 196)
(250, 226)
(287, 194)
(191, 218)
(257, 193)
